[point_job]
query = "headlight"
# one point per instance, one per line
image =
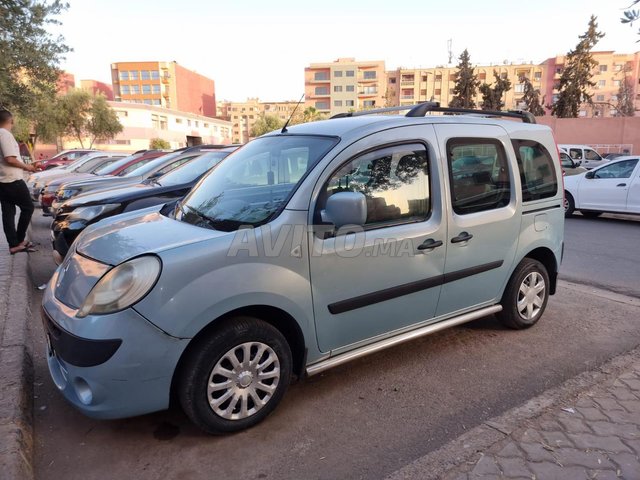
(122, 286)
(89, 213)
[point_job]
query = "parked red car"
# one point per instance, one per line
(62, 158)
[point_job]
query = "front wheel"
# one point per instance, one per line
(525, 298)
(233, 378)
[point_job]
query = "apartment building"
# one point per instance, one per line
(164, 84)
(143, 122)
(243, 115)
(344, 85)
(95, 87)
(406, 86)
(612, 69)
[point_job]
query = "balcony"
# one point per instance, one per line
(319, 80)
(368, 93)
(408, 82)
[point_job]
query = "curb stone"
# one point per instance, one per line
(16, 374)
(467, 450)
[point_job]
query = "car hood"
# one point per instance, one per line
(121, 194)
(67, 177)
(122, 237)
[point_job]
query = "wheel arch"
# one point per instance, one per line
(278, 318)
(546, 256)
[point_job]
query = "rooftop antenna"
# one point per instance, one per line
(449, 50)
(284, 129)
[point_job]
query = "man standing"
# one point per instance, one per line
(13, 189)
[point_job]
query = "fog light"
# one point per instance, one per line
(83, 391)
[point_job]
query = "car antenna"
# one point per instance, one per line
(284, 129)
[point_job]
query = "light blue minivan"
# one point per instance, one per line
(307, 248)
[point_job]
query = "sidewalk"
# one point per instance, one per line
(16, 372)
(592, 433)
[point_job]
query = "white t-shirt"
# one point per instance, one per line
(9, 148)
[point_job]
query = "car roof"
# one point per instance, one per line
(365, 124)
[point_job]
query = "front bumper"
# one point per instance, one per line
(109, 366)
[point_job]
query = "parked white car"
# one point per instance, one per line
(614, 188)
(583, 155)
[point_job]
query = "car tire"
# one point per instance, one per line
(209, 373)
(525, 298)
(569, 205)
(590, 213)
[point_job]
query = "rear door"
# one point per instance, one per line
(633, 197)
(482, 212)
(609, 187)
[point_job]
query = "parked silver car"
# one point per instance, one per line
(303, 250)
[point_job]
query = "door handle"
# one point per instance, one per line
(463, 237)
(621, 185)
(430, 243)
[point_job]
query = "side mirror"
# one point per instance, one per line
(590, 174)
(346, 208)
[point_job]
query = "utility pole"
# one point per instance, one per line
(449, 50)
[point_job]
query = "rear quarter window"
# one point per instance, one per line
(538, 177)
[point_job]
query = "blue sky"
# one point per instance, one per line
(260, 48)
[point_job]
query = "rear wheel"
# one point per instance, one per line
(236, 376)
(569, 204)
(525, 298)
(590, 213)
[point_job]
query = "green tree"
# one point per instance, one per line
(29, 53)
(39, 122)
(625, 105)
(466, 86)
(159, 144)
(631, 15)
(575, 81)
(265, 124)
(492, 95)
(84, 116)
(531, 98)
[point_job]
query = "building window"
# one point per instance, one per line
(124, 89)
(403, 169)
(145, 75)
(614, 98)
(146, 89)
(392, 80)
(369, 90)
(369, 103)
(559, 69)
(616, 83)
(603, 68)
(156, 89)
(321, 76)
(337, 88)
(439, 77)
(322, 105)
(337, 103)
(337, 73)
(135, 89)
(350, 73)
(519, 88)
(370, 75)
(582, 113)
(147, 101)
(133, 74)
(351, 88)
(156, 101)
(188, 123)
(155, 122)
(602, 83)
(482, 76)
(349, 103)
(163, 123)
(206, 125)
(178, 120)
(613, 112)
(321, 91)
(479, 175)
(600, 98)
(124, 75)
(197, 124)
(451, 91)
(537, 76)
(155, 75)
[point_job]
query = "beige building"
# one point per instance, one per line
(243, 115)
(344, 85)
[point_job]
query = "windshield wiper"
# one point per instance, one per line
(225, 225)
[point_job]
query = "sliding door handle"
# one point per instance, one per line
(463, 237)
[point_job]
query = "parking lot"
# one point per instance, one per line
(370, 417)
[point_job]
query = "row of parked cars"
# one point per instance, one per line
(306, 248)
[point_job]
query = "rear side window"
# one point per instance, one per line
(479, 175)
(394, 180)
(537, 170)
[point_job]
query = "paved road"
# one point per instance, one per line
(363, 420)
(604, 252)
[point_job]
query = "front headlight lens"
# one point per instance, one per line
(122, 286)
(89, 213)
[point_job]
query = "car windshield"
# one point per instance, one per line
(112, 167)
(254, 183)
(152, 165)
(192, 170)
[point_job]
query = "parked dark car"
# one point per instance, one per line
(155, 168)
(76, 214)
(63, 158)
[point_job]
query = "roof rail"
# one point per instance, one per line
(421, 109)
